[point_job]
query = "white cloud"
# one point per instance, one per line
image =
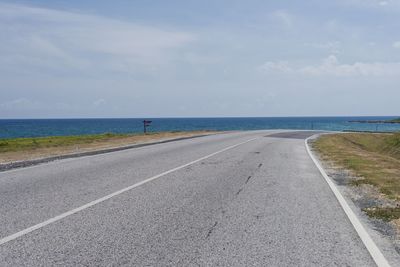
(279, 66)
(28, 104)
(19, 103)
(57, 39)
(31, 105)
(283, 17)
(396, 44)
(332, 47)
(331, 66)
(99, 102)
(385, 5)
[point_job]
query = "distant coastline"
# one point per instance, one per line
(29, 128)
(376, 121)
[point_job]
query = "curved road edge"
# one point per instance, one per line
(372, 248)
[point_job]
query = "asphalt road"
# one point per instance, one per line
(260, 203)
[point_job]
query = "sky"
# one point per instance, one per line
(131, 58)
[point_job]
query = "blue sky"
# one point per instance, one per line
(63, 59)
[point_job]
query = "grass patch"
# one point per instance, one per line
(386, 214)
(19, 149)
(24, 144)
(375, 158)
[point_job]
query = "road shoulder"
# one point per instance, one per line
(383, 248)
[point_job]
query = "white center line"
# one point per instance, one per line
(97, 201)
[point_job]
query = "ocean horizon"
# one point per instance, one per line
(14, 128)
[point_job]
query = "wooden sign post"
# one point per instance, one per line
(145, 125)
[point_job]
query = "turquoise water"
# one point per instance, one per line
(53, 127)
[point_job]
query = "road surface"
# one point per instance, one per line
(235, 199)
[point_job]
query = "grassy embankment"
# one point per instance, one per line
(25, 144)
(375, 158)
(29, 148)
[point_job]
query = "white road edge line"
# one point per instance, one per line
(97, 201)
(372, 248)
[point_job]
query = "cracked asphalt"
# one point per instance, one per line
(262, 203)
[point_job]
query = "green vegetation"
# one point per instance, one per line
(374, 158)
(377, 121)
(23, 144)
(386, 214)
(20, 149)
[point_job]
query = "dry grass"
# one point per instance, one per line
(383, 213)
(20, 149)
(375, 158)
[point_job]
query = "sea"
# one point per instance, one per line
(13, 128)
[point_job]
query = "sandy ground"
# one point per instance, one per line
(8, 157)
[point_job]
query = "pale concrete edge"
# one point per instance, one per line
(372, 248)
(33, 162)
